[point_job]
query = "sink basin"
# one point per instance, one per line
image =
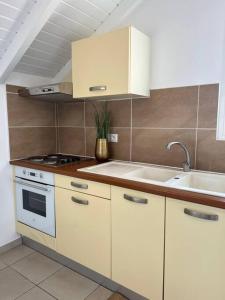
(202, 182)
(153, 173)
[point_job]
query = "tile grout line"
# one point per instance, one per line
(196, 130)
(92, 292)
(56, 128)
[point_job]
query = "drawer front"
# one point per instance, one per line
(83, 229)
(83, 186)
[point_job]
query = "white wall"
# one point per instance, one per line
(187, 40)
(7, 219)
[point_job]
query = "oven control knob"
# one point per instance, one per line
(41, 175)
(24, 172)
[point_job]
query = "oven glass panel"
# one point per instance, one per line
(34, 202)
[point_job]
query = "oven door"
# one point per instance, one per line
(35, 205)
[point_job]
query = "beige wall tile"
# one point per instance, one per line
(90, 107)
(120, 112)
(167, 108)
(148, 145)
(28, 141)
(208, 102)
(29, 112)
(71, 140)
(71, 114)
(90, 141)
(120, 150)
(210, 152)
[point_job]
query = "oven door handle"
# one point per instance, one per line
(32, 186)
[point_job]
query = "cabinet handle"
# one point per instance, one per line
(135, 199)
(97, 88)
(79, 185)
(79, 201)
(200, 215)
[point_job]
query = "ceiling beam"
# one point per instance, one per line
(125, 8)
(29, 24)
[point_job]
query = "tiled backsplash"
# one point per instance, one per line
(144, 126)
(32, 125)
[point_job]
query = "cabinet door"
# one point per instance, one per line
(138, 241)
(101, 61)
(194, 251)
(83, 230)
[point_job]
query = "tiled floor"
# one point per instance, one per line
(28, 275)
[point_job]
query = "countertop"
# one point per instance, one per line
(71, 170)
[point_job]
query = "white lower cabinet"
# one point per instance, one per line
(83, 229)
(194, 252)
(138, 241)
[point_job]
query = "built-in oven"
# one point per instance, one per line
(35, 199)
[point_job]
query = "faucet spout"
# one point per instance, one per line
(187, 163)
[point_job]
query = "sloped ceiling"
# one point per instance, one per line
(9, 13)
(70, 21)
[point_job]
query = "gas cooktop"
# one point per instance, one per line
(56, 159)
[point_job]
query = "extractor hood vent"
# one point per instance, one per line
(52, 92)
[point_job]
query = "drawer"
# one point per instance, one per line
(84, 186)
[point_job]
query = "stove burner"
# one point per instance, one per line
(56, 159)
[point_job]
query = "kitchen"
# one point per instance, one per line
(177, 55)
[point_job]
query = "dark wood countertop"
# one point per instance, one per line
(71, 170)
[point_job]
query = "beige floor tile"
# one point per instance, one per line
(36, 267)
(36, 294)
(100, 293)
(12, 284)
(2, 265)
(15, 254)
(66, 285)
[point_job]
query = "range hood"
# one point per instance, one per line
(50, 92)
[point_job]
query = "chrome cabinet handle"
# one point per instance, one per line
(200, 215)
(79, 185)
(79, 201)
(32, 186)
(97, 88)
(135, 199)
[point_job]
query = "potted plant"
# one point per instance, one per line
(102, 123)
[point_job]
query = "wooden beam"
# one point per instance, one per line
(121, 12)
(28, 25)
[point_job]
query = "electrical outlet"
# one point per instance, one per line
(113, 138)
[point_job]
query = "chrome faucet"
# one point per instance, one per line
(187, 163)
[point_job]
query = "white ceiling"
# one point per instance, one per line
(9, 13)
(51, 49)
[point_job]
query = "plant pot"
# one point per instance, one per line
(101, 150)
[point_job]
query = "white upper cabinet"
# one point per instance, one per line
(115, 64)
